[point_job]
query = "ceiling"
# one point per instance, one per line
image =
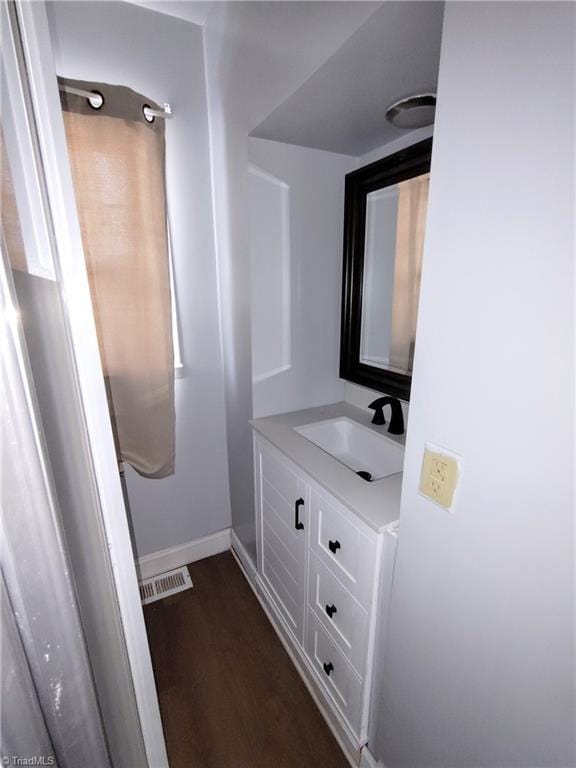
(341, 107)
(188, 10)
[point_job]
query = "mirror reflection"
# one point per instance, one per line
(394, 240)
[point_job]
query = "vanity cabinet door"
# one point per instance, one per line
(283, 501)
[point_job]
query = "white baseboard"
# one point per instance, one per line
(239, 550)
(176, 557)
(367, 759)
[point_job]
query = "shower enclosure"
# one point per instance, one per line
(77, 680)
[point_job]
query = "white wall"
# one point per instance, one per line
(315, 181)
(256, 55)
(162, 57)
(270, 268)
(316, 202)
(480, 668)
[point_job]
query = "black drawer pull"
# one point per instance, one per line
(297, 524)
(331, 610)
(333, 546)
(329, 667)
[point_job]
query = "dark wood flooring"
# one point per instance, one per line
(229, 694)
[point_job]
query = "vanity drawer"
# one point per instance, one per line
(340, 680)
(341, 546)
(342, 617)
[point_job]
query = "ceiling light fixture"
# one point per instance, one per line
(413, 112)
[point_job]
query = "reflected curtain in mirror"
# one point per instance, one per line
(118, 169)
(410, 230)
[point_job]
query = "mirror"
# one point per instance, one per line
(384, 226)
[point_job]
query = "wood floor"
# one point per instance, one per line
(229, 694)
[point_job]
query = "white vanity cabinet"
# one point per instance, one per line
(319, 567)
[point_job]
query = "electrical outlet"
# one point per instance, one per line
(439, 469)
(436, 488)
(439, 477)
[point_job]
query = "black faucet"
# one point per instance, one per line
(396, 419)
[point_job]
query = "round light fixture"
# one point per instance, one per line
(414, 112)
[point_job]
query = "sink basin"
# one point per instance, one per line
(358, 447)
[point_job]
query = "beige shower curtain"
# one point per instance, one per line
(117, 160)
(410, 230)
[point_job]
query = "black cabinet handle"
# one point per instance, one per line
(333, 546)
(297, 524)
(331, 610)
(328, 667)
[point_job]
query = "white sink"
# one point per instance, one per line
(356, 446)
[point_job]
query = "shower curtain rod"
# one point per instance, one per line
(96, 101)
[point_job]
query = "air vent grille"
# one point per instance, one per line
(165, 584)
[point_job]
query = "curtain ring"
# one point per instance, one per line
(97, 95)
(148, 118)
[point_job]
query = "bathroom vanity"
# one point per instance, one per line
(326, 546)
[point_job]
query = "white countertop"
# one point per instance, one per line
(376, 503)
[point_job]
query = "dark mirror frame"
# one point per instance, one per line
(409, 162)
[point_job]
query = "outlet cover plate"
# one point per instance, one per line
(439, 476)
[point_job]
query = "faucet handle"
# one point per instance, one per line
(378, 407)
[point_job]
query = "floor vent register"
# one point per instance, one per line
(165, 584)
